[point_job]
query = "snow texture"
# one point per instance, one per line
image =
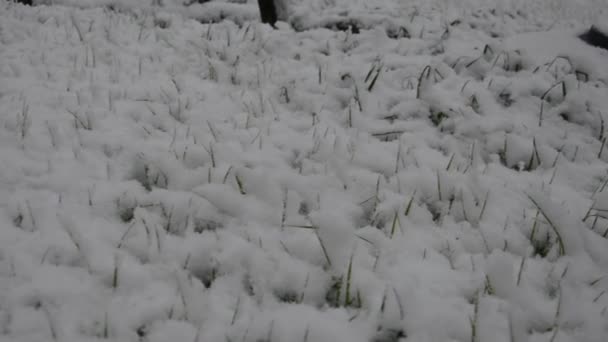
(175, 172)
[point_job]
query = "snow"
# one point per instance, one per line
(164, 178)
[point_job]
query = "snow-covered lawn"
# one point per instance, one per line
(167, 180)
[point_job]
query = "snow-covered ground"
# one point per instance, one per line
(167, 180)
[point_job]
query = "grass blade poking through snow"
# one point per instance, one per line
(562, 249)
(395, 224)
(544, 96)
(373, 83)
(323, 248)
(483, 207)
(425, 74)
(115, 273)
(409, 204)
(316, 229)
(239, 182)
(349, 274)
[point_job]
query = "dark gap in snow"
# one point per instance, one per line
(344, 25)
(595, 37)
(207, 276)
(354, 25)
(25, 2)
(398, 33)
(192, 2)
(389, 335)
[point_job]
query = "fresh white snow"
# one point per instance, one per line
(162, 179)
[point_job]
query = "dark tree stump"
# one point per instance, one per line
(268, 11)
(595, 37)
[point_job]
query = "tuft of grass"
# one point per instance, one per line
(341, 284)
(437, 117)
(79, 122)
(334, 293)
